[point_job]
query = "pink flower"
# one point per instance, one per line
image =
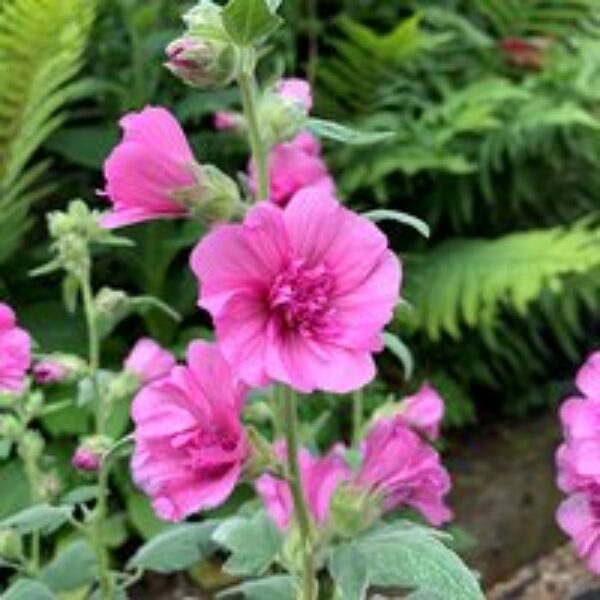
(579, 517)
(295, 90)
(15, 352)
(226, 120)
(320, 477)
(299, 295)
(404, 470)
(86, 460)
(47, 372)
(424, 411)
(588, 377)
(294, 166)
(149, 361)
(190, 445)
(152, 162)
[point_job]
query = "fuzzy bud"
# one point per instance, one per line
(215, 197)
(58, 368)
(10, 427)
(90, 453)
(50, 487)
(202, 63)
(32, 446)
(353, 510)
(11, 545)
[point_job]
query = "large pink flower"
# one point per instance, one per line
(189, 442)
(151, 162)
(320, 477)
(299, 295)
(149, 361)
(294, 166)
(404, 470)
(15, 352)
(579, 517)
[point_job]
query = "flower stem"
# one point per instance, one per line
(248, 90)
(97, 519)
(357, 415)
(301, 514)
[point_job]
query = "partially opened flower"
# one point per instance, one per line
(320, 477)
(190, 445)
(296, 90)
(299, 295)
(15, 352)
(424, 411)
(148, 361)
(293, 166)
(151, 163)
(48, 371)
(404, 471)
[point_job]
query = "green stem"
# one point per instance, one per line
(97, 520)
(301, 513)
(248, 90)
(357, 416)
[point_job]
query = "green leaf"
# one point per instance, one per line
(348, 568)
(253, 542)
(346, 135)
(142, 516)
(43, 518)
(277, 587)
(413, 557)
(81, 494)
(175, 549)
(399, 217)
(12, 477)
(28, 589)
(72, 568)
(247, 21)
(400, 350)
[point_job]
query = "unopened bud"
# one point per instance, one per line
(215, 197)
(31, 446)
(10, 427)
(281, 119)
(202, 63)
(353, 510)
(90, 453)
(58, 368)
(262, 457)
(11, 545)
(34, 404)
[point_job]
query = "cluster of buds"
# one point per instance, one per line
(203, 57)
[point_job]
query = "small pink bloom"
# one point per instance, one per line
(320, 477)
(294, 166)
(299, 295)
(15, 352)
(297, 91)
(149, 361)
(152, 161)
(424, 411)
(190, 445)
(48, 371)
(579, 517)
(86, 460)
(404, 470)
(224, 121)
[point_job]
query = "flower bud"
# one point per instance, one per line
(229, 121)
(90, 453)
(50, 487)
(10, 427)
(202, 63)
(58, 368)
(261, 457)
(32, 446)
(11, 545)
(34, 404)
(281, 119)
(215, 197)
(353, 510)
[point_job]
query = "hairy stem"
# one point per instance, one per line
(357, 415)
(301, 513)
(248, 90)
(97, 519)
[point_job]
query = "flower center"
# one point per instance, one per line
(300, 297)
(207, 449)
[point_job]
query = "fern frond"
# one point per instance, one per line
(464, 282)
(41, 50)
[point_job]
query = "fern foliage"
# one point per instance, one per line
(41, 51)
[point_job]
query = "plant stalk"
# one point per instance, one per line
(301, 513)
(248, 90)
(357, 415)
